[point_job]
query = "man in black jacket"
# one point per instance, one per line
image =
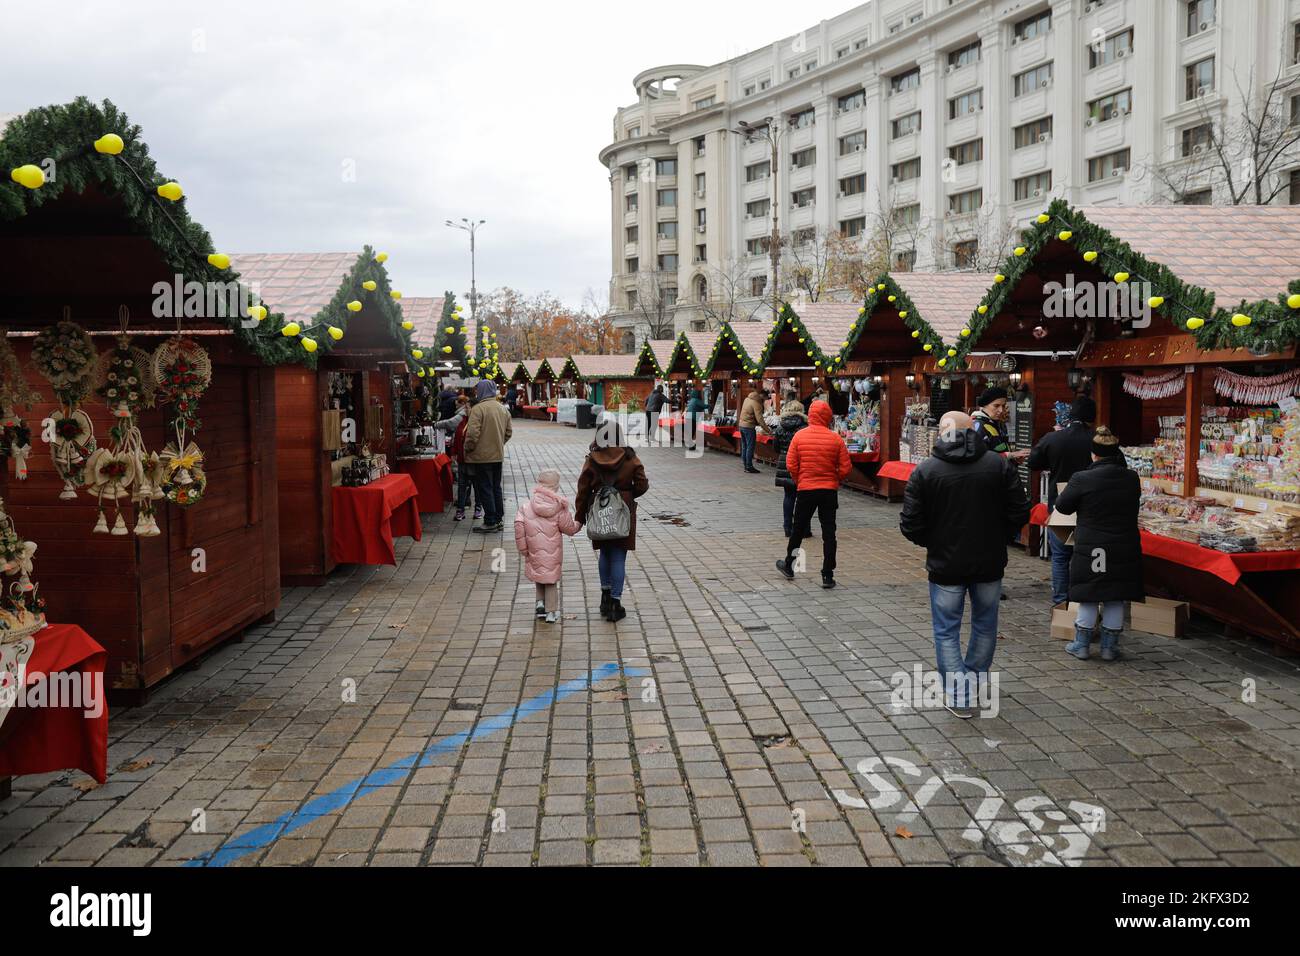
(654, 404)
(1061, 454)
(961, 505)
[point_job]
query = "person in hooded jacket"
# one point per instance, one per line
(447, 402)
(695, 407)
(793, 419)
(817, 460)
(962, 504)
(540, 527)
(611, 462)
(455, 426)
(1106, 570)
(487, 431)
(1062, 454)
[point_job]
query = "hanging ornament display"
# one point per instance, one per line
(1257, 389)
(125, 384)
(182, 372)
(22, 612)
(1163, 385)
(15, 393)
(65, 357)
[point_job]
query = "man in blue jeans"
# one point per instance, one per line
(1061, 453)
(961, 505)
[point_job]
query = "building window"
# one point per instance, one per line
(803, 118)
(803, 237)
(902, 172)
(701, 253)
(905, 261)
(801, 198)
(852, 185)
(633, 264)
(1295, 43)
(1104, 167)
(841, 53)
(632, 201)
(905, 81)
(749, 90)
(964, 55)
(633, 233)
(757, 285)
(1039, 131)
(1039, 78)
(895, 27)
(667, 230)
(792, 73)
(803, 158)
(670, 295)
(854, 143)
(759, 246)
(765, 84)
(861, 44)
(668, 197)
(758, 171)
(1109, 107)
(701, 218)
(705, 103)
(966, 104)
(914, 18)
(1200, 78)
(1201, 197)
(906, 125)
(701, 289)
(1111, 49)
(1033, 186)
(668, 263)
(699, 185)
(1034, 26)
(1295, 111)
(699, 147)
(665, 167)
(810, 66)
(963, 153)
(965, 253)
(851, 101)
(1294, 198)
(757, 209)
(906, 215)
(852, 228)
(631, 299)
(1200, 16)
(959, 204)
(633, 132)
(1197, 139)
(630, 172)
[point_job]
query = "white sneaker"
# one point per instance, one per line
(541, 610)
(552, 617)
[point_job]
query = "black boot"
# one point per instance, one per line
(605, 600)
(616, 610)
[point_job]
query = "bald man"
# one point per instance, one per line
(961, 505)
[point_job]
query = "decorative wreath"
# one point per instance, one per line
(125, 379)
(182, 372)
(14, 390)
(73, 443)
(183, 479)
(65, 356)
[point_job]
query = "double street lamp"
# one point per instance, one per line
(768, 130)
(471, 227)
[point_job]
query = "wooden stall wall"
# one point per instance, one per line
(303, 479)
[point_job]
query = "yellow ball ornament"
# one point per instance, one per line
(862, 311)
(290, 329)
(33, 177)
(219, 260)
(893, 298)
(903, 314)
(1195, 323)
(308, 344)
(1020, 250)
(1156, 301)
(370, 285)
(983, 310)
(1241, 320)
(1043, 217)
(110, 144)
(382, 257)
(1090, 256)
(462, 330)
(999, 278)
(257, 312)
(335, 332)
(417, 353)
(450, 330)
(395, 294)
(1293, 301)
(354, 306)
(942, 362)
(952, 353)
(965, 333)
(419, 372)
(408, 325)
(171, 191)
(446, 350)
(928, 347)
(916, 333)
(1121, 277)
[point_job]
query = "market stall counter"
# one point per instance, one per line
(368, 517)
(57, 734)
(433, 481)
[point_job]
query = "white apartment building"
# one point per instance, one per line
(956, 119)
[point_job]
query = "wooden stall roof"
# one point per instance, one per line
(539, 370)
(597, 367)
(945, 300)
(298, 284)
(561, 367)
(647, 362)
(663, 351)
(1240, 253)
(425, 312)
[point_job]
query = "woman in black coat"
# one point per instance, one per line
(1106, 569)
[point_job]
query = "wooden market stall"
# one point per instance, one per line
(1192, 363)
(614, 380)
(333, 414)
(188, 559)
(539, 400)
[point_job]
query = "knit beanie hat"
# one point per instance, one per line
(990, 395)
(1105, 444)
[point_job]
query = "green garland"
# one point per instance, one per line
(455, 340)
(654, 362)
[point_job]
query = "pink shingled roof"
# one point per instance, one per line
(829, 323)
(1236, 252)
(533, 366)
(663, 350)
(299, 284)
(945, 300)
(425, 312)
(605, 366)
(557, 365)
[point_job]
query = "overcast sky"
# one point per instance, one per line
(487, 109)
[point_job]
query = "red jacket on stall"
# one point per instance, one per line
(818, 458)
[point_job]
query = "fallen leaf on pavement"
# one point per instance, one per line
(904, 832)
(135, 765)
(608, 696)
(85, 784)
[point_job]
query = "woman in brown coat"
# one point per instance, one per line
(611, 462)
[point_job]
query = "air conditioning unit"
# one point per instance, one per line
(699, 194)
(894, 180)
(1202, 90)
(696, 261)
(1038, 193)
(700, 229)
(1089, 8)
(973, 109)
(1297, 58)
(1197, 149)
(859, 148)
(950, 68)
(1119, 171)
(1015, 40)
(1044, 137)
(840, 194)
(1090, 122)
(1045, 84)
(1123, 111)
(1204, 27)
(1119, 54)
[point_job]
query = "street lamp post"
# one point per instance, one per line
(466, 225)
(769, 131)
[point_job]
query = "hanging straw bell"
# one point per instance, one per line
(119, 526)
(101, 526)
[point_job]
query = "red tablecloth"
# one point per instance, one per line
(727, 431)
(764, 438)
(898, 470)
(1039, 514)
(366, 520)
(863, 457)
(1229, 567)
(551, 410)
(44, 739)
(432, 477)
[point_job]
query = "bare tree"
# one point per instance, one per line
(1241, 157)
(977, 243)
(897, 233)
(727, 295)
(812, 261)
(656, 304)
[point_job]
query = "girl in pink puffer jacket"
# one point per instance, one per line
(540, 526)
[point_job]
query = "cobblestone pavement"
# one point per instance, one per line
(755, 722)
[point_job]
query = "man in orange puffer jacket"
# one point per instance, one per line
(818, 460)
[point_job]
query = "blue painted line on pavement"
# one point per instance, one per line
(313, 810)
